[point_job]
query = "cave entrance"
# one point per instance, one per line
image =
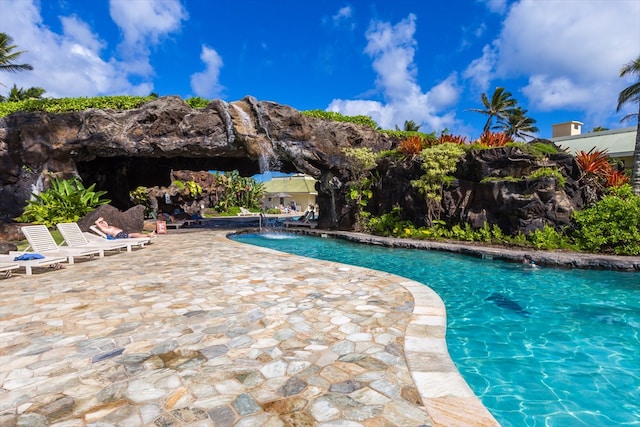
(119, 175)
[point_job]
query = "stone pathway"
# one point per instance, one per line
(198, 330)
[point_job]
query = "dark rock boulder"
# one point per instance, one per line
(132, 220)
(121, 150)
(166, 139)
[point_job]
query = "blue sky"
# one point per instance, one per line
(423, 60)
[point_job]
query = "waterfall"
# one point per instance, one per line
(266, 158)
(37, 188)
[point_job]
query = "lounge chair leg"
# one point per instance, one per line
(7, 274)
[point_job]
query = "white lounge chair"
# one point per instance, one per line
(75, 238)
(247, 212)
(8, 267)
(130, 241)
(41, 241)
(28, 265)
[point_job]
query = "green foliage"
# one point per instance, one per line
(63, 105)
(549, 172)
(66, 201)
(387, 224)
(360, 162)
(140, 196)
(337, 117)
(197, 102)
(500, 179)
(612, 225)
(437, 162)
(548, 239)
(537, 149)
(431, 138)
(234, 191)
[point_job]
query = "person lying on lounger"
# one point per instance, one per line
(117, 233)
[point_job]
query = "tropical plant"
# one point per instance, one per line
(197, 102)
(491, 139)
(632, 94)
(337, 117)
(360, 162)
(516, 125)
(410, 126)
(500, 104)
(616, 178)
(612, 225)
(63, 105)
(594, 163)
(18, 94)
(455, 139)
(8, 58)
(65, 201)
(411, 146)
(561, 180)
(140, 196)
(437, 163)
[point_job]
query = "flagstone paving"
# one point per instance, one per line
(198, 330)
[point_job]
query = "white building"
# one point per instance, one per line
(619, 143)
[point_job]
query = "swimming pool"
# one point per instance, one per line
(539, 347)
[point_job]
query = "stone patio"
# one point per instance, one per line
(198, 330)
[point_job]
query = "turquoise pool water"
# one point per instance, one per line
(540, 347)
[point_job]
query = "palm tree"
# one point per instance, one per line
(20, 94)
(8, 58)
(632, 94)
(516, 124)
(410, 126)
(499, 106)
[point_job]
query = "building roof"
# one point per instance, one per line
(291, 184)
(617, 142)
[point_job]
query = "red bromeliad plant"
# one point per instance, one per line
(490, 139)
(454, 139)
(595, 162)
(412, 145)
(617, 178)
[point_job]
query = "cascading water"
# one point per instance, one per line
(37, 188)
(266, 158)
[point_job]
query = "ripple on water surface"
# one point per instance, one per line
(540, 347)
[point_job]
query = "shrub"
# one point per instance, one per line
(337, 117)
(66, 201)
(547, 238)
(197, 102)
(612, 225)
(549, 172)
(62, 105)
(437, 162)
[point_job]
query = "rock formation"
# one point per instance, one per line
(121, 150)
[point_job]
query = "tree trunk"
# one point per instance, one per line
(635, 175)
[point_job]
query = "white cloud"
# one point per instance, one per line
(144, 23)
(72, 63)
(206, 84)
(392, 49)
(570, 52)
(496, 6)
(343, 14)
(481, 70)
